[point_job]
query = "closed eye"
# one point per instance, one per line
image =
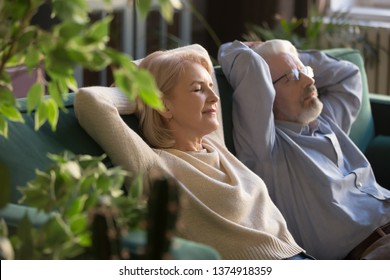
(197, 89)
(200, 86)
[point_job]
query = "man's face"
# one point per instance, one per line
(296, 97)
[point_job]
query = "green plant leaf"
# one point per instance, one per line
(85, 239)
(136, 187)
(67, 30)
(122, 59)
(78, 223)
(71, 83)
(77, 206)
(57, 233)
(52, 113)
(25, 250)
(167, 10)
(33, 54)
(124, 81)
(88, 161)
(103, 184)
(99, 61)
(62, 157)
(143, 6)
(16, 12)
(5, 81)
(72, 169)
(35, 196)
(75, 10)
(3, 127)
(69, 249)
(40, 116)
(6, 96)
(148, 90)
(99, 31)
(34, 96)
(78, 53)
(58, 63)
(11, 113)
(3, 228)
(55, 93)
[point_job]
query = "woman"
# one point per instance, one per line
(224, 204)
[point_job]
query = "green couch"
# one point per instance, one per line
(27, 149)
(370, 131)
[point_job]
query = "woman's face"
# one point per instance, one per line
(191, 107)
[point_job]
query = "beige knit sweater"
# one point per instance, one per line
(224, 204)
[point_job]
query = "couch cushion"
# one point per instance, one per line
(226, 95)
(26, 149)
(362, 130)
(375, 152)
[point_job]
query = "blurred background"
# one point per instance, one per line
(321, 24)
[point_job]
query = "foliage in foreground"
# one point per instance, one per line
(73, 41)
(69, 193)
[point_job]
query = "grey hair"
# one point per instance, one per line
(273, 47)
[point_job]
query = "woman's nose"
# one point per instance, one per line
(213, 97)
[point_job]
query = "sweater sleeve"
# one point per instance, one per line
(98, 110)
(339, 86)
(253, 97)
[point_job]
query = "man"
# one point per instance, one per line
(296, 139)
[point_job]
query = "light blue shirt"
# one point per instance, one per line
(321, 182)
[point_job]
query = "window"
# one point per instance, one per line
(374, 11)
(378, 3)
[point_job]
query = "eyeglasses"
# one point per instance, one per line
(294, 74)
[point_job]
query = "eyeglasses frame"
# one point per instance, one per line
(306, 70)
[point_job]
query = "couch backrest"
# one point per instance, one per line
(362, 130)
(26, 150)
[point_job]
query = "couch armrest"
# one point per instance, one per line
(380, 106)
(378, 150)
(14, 213)
(181, 249)
(377, 153)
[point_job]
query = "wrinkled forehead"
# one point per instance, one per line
(280, 64)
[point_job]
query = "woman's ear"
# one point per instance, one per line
(166, 113)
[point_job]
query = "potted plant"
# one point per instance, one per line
(316, 31)
(73, 41)
(71, 194)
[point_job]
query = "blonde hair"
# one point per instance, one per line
(274, 47)
(166, 67)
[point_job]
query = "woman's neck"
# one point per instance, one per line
(188, 146)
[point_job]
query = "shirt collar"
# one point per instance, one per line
(304, 129)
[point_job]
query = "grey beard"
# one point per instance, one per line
(311, 113)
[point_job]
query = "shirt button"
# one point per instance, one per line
(359, 184)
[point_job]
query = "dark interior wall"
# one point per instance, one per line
(228, 19)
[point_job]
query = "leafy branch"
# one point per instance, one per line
(69, 192)
(316, 31)
(71, 43)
